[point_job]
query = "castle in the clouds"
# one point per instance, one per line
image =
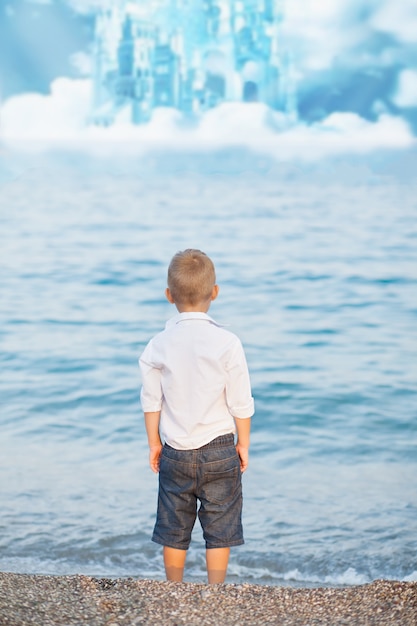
(190, 55)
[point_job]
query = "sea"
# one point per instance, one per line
(317, 267)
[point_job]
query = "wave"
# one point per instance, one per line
(150, 566)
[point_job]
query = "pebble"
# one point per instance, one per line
(27, 600)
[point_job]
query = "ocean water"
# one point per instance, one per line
(317, 267)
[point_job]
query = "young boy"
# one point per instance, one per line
(195, 396)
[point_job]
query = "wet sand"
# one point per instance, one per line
(78, 600)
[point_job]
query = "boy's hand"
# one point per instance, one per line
(242, 444)
(243, 456)
(154, 441)
(154, 456)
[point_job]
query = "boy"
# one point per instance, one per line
(195, 396)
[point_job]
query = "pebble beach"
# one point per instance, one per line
(75, 600)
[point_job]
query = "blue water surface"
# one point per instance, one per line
(317, 267)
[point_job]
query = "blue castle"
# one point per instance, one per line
(190, 55)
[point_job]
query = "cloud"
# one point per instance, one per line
(397, 18)
(406, 94)
(89, 6)
(312, 31)
(348, 54)
(61, 116)
(83, 63)
(349, 33)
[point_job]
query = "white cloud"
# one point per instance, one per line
(263, 130)
(89, 6)
(397, 18)
(324, 32)
(348, 132)
(83, 63)
(62, 115)
(406, 94)
(311, 31)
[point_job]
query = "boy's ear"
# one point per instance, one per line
(215, 292)
(168, 296)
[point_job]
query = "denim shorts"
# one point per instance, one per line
(206, 481)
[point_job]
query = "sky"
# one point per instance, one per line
(355, 69)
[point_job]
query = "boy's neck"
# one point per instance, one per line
(202, 308)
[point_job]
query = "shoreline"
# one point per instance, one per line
(28, 600)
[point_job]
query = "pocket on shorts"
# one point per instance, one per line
(222, 485)
(174, 472)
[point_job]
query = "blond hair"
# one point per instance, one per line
(191, 277)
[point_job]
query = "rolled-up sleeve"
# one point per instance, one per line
(238, 388)
(151, 391)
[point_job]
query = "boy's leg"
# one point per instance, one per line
(217, 560)
(220, 495)
(174, 561)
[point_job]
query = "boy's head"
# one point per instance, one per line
(191, 280)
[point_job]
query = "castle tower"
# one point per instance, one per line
(192, 56)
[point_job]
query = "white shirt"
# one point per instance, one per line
(195, 373)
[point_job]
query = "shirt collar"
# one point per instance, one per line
(192, 315)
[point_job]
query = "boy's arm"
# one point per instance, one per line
(243, 437)
(154, 440)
